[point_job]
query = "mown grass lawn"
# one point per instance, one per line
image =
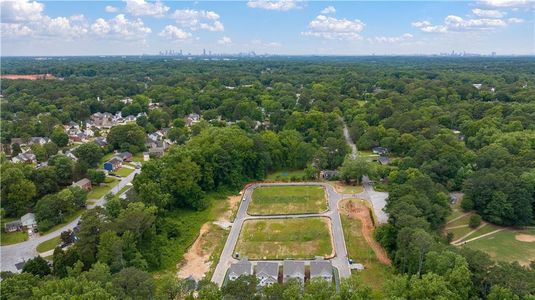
(9, 238)
(49, 244)
(123, 172)
(269, 200)
(303, 238)
(504, 246)
(98, 191)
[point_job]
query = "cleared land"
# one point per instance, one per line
(302, 238)
(361, 247)
(507, 245)
(270, 200)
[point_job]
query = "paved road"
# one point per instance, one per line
(377, 199)
(340, 261)
(15, 253)
(354, 152)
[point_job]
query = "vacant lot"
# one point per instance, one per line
(269, 200)
(302, 238)
(286, 175)
(508, 245)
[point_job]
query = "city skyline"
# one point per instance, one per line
(135, 27)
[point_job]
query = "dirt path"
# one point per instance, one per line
(478, 237)
(361, 212)
(457, 241)
(457, 218)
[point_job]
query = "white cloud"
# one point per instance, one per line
(225, 41)
(281, 5)
(456, 22)
(328, 10)
(120, 26)
(15, 30)
(198, 19)
(174, 33)
(333, 28)
(488, 13)
(509, 3)
(111, 9)
(142, 8)
(515, 21)
(20, 11)
(394, 39)
(420, 24)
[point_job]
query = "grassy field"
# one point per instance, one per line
(375, 273)
(9, 238)
(268, 200)
(285, 175)
(302, 238)
(504, 246)
(123, 172)
(98, 191)
(49, 244)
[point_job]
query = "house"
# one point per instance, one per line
(477, 85)
(28, 221)
(39, 140)
(125, 156)
(126, 100)
(101, 141)
(146, 156)
(293, 270)
(102, 119)
(26, 157)
(192, 119)
(267, 273)
(83, 183)
(113, 164)
(13, 226)
(329, 174)
(379, 150)
(243, 267)
(321, 269)
(383, 160)
(157, 148)
(130, 119)
(71, 155)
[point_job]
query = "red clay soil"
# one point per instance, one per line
(362, 213)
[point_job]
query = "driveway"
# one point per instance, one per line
(377, 199)
(16, 253)
(340, 261)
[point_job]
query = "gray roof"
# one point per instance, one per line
(82, 182)
(28, 219)
(265, 268)
(383, 160)
(320, 268)
(293, 268)
(243, 267)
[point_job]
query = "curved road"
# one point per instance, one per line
(12, 254)
(340, 261)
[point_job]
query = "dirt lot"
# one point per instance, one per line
(359, 211)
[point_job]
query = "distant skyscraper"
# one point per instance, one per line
(204, 52)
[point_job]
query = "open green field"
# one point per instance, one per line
(9, 238)
(269, 200)
(302, 238)
(49, 244)
(98, 191)
(123, 172)
(508, 245)
(285, 175)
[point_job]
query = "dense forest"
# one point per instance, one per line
(450, 124)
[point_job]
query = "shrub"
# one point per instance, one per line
(475, 221)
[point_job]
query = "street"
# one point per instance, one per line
(16, 253)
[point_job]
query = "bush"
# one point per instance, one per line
(45, 225)
(475, 221)
(467, 204)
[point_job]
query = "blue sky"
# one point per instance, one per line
(275, 27)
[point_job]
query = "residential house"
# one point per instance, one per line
(379, 150)
(26, 157)
(243, 267)
(129, 119)
(101, 141)
(39, 140)
(321, 269)
(125, 156)
(157, 149)
(113, 164)
(13, 226)
(102, 119)
(293, 270)
(18, 141)
(126, 100)
(28, 221)
(329, 174)
(192, 119)
(71, 155)
(477, 85)
(83, 183)
(267, 273)
(383, 160)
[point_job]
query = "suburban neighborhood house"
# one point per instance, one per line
(293, 270)
(113, 164)
(192, 119)
(267, 273)
(26, 222)
(321, 269)
(83, 183)
(243, 267)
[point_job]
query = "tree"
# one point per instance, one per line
(89, 153)
(130, 137)
(240, 289)
(134, 284)
(71, 288)
(59, 137)
(64, 168)
(88, 236)
(15, 150)
(475, 221)
(110, 250)
(46, 180)
(500, 293)
(17, 192)
(37, 266)
(97, 177)
(19, 286)
(354, 169)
